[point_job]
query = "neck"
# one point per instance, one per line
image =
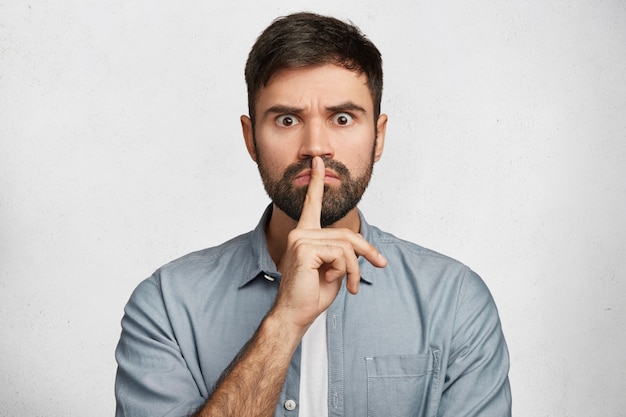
(281, 224)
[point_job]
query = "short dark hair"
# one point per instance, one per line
(305, 39)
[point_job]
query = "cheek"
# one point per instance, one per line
(362, 166)
(357, 156)
(274, 143)
(269, 163)
(276, 155)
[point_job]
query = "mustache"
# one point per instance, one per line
(294, 169)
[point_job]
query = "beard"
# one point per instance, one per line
(337, 201)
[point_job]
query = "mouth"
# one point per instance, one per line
(304, 178)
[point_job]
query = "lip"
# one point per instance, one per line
(304, 177)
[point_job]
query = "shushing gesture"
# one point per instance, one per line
(317, 260)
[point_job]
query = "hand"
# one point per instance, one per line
(317, 260)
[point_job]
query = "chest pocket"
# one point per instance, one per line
(403, 385)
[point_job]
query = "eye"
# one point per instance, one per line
(343, 119)
(287, 120)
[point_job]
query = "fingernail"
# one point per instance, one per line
(314, 162)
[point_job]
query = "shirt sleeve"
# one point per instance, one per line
(152, 376)
(476, 379)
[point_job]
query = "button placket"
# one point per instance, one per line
(336, 355)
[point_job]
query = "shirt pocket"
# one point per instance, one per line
(402, 385)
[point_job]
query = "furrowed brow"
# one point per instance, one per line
(347, 106)
(282, 109)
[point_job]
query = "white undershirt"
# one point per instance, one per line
(314, 370)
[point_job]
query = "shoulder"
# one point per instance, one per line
(392, 245)
(197, 271)
(208, 258)
(428, 268)
(439, 281)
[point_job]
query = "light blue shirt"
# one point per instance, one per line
(421, 338)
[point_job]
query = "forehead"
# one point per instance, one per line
(324, 85)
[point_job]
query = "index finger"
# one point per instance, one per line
(312, 208)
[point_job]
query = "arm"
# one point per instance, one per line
(153, 378)
(313, 267)
(252, 384)
(476, 378)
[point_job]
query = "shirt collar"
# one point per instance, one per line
(260, 264)
(368, 271)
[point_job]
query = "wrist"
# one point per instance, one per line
(278, 326)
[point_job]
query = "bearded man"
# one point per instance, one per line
(315, 312)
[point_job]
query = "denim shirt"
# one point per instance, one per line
(421, 338)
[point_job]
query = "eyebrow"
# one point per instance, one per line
(347, 106)
(285, 109)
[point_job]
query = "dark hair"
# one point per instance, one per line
(305, 39)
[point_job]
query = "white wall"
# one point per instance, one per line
(121, 149)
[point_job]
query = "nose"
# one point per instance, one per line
(316, 141)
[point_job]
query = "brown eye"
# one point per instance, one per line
(286, 120)
(343, 119)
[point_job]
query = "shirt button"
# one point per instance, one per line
(290, 405)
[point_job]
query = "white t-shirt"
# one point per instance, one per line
(314, 370)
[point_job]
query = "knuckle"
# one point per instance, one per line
(346, 246)
(294, 236)
(301, 249)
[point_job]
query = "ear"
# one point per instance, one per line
(381, 129)
(248, 136)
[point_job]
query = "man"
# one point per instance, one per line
(315, 312)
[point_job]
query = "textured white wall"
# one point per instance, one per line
(121, 150)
